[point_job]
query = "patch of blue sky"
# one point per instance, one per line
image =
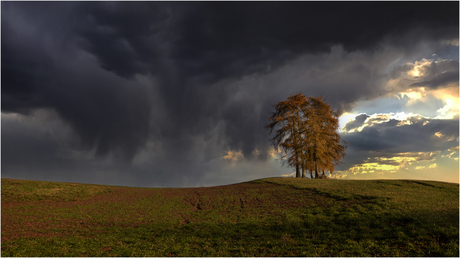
(385, 105)
(447, 52)
(382, 105)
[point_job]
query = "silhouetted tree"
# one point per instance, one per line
(306, 131)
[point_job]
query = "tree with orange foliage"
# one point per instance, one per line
(321, 137)
(306, 131)
(287, 120)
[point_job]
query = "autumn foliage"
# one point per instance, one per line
(306, 132)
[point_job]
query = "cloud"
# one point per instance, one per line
(453, 153)
(435, 74)
(406, 137)
(379, 162)
(439, 80)
(393, 145)
(106, 111)
(356, 123)
(432, 166)
(233, 155)
(161, 91)
(429, 73)
(406, 94)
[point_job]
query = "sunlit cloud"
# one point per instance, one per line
(374, 119)
(345, 118)
(419, 84)
(434, 165)
(288, 175)
(453, 153)
(448, 96)
(452, 42)
(450, 110)
(339, 175)
(374, 166)
(454, 148)
(233, 156)
(397, 162)
(414, 95)
(444, 137)
(274, 153)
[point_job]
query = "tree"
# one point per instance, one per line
(321, 136)
(287, 120)
(306, 131)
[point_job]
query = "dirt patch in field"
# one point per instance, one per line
(31, 221)
(244, 199)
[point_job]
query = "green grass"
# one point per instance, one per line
(266, 217)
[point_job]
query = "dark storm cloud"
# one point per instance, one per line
(188, 81)
(25, 67)
(438, 80)
(124, 37)
(388, 136)
(391, 139)
(107, 112)
(357, 122)
(231, 39)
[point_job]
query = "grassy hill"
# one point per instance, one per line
(266, 217)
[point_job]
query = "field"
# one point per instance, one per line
(266, 217)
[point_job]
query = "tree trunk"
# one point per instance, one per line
(296, 153)
(316, 170)
(303, 171)
(302, 165)
(314, 160)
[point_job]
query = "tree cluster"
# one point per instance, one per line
(306, 132)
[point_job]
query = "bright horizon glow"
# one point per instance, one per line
(406, 165)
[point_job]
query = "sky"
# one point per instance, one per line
(177, 94)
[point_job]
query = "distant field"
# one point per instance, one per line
(266, 217)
